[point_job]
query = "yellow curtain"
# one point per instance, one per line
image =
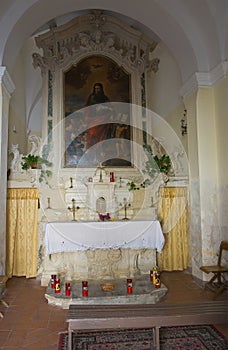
(21, 239)
(172, 213)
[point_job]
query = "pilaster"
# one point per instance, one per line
(204, 223)
(6, 89)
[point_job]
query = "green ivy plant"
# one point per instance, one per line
(163, 163)
(132, 186)
(153, 166)
(154, 163)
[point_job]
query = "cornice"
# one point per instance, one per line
(201, 79)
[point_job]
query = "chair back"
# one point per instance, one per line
(223, 246)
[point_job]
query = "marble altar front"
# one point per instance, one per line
(100, 250)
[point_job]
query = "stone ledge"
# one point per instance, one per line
(144, 292)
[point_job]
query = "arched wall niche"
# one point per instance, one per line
(88, 36)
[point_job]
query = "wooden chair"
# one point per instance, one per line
(218, 271)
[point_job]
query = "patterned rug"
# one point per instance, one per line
(171, 338)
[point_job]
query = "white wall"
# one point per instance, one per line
(26, 102)
(33, 85)
(17, 116)
(166, 83)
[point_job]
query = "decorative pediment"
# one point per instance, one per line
(95, 33)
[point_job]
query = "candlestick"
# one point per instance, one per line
(101, 167)
(73, 209)
(125, 209)
(49, 201)
(71, 182)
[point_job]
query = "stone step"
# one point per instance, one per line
(143, 292)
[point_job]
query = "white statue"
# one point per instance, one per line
(36, 144)
(15, 165)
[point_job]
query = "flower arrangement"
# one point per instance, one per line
(105, 217)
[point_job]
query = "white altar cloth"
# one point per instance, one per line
(76, 236)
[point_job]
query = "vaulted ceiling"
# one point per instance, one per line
(195, 31)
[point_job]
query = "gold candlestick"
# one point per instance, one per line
(73, 209)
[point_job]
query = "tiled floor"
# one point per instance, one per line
(30, 323)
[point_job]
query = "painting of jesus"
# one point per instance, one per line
(97, 114)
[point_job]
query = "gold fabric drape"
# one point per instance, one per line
(21, 239)
(172, 213)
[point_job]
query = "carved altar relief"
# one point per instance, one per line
(98, 264)
(95, 33)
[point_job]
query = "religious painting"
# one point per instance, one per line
(97, 114)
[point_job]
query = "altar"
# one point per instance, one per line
(101, 250)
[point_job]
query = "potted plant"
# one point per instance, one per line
(32, 161)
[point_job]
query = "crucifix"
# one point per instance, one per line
(101, 167)
(73, 209)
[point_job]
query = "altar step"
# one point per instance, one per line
(144, 292)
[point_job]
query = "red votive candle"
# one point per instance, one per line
(157, 280)
(84, 288)
(111, 176)
(129, 286)
(53, 281)
(67, 289)
(151, 275)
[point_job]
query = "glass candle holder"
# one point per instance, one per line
(129, 286)
(57, 286)
(67, 289)
(84, 288)
(112, 176)
(53, 281)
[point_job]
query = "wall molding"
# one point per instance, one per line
(202, 79)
